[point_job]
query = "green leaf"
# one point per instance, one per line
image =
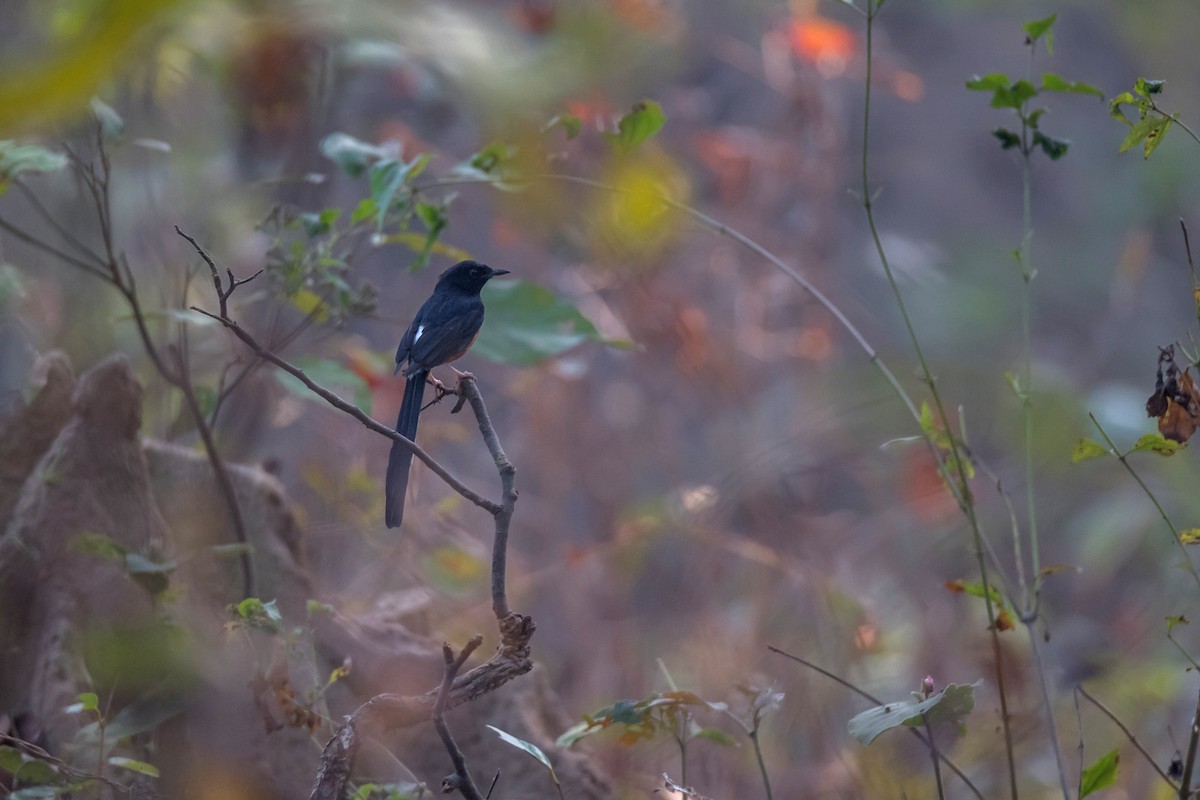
(1087, 448)
(1055, 148)
(17, 158)
(975, 589)
(435, 221)
(1114, 107)
(527, 323)
(1102, 773)
(1155, 443)
(716, 736)
(330, 374)
(27, 768)
(927, 425)
(643, 121)
(1146, 87)
(1037, 28)
(88, 701)
(570, 124)
(363, 211)
(1155, 137)
(1175, 620)
(1150, 129)
(1190, 536)
(319, 223)
(134, 765)
(1014, 96)
(257, 614)
(1055, 83)
(352, 155)
(385, 179)
(951, 704)
(487, 162)
(1007, 138)
(111, 124)
(988, 83)
(528, 747)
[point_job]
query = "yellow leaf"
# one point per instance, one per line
(310, 303)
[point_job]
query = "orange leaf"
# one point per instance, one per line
(821, 41)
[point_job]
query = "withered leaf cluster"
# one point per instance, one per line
(1176, 400)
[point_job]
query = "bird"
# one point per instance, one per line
(443, 330)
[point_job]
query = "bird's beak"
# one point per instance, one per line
(498, 272)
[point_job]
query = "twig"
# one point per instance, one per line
(1189, 763)
(1128, 734)
(1124, 459)
(461, 779)
(31, 749)
(872, 698)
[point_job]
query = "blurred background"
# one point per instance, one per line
(726, 481)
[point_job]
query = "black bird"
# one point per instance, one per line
(444, 329)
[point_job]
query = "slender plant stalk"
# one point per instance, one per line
(1128, 735)
(762, 765)
(934, 754)
(966, 502)
(1044, 683)
(1189, 763)
(1124, 459)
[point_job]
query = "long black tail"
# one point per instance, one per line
(400, 459)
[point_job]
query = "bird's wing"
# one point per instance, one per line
(443, 337)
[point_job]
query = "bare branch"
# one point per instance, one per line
(461, 779)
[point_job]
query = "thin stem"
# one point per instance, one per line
(1047, 704)
(1185, 783)
(1175, 120)
(1187, 246)
(933, 754)
(1027, 275)
(1123, 458)
(963, 493)
(873, 699)
(762, 765)
(1128, 735)
(46, 247)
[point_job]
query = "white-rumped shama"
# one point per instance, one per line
(444, 329)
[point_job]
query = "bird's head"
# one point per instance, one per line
(469, 276)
